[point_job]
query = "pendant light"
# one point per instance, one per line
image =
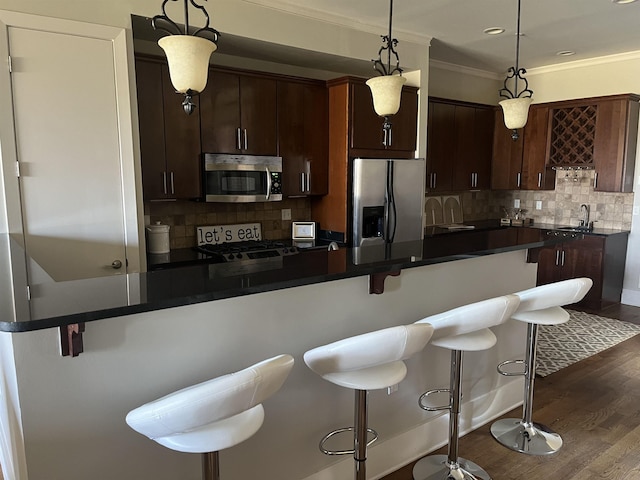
(386, 89)
(187, 54)
(516, 105)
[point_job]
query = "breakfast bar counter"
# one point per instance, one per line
(191, 281)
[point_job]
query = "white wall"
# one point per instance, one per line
(462, 83)
(73, 409)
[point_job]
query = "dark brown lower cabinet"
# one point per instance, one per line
(601, 258)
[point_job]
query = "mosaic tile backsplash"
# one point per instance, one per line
(561, 206)
(183, 217)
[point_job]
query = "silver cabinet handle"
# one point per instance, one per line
(557, 257)
(308, 167)
(116, 264)
(238, 140)
(434, 179)
(595, 180)
(173, 190)
(384, 137)
(562, 263)
(539, 179)
(390, 137)
(518, 179)
(164, 182)
(246, 143)
(302, 182)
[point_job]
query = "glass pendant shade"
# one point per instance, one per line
(188, 58)
(516, 111)
(386, 91)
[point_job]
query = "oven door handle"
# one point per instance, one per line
(268, 182)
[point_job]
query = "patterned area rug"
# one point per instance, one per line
(582, 336)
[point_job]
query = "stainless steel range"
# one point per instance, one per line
(246, 250)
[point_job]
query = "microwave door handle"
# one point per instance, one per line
(268, 182)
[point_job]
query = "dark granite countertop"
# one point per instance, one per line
(63, 303)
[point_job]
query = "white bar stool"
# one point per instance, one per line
(366, 362)
(464, 328)
(538, 306)
(213, 415)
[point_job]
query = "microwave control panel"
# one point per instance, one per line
(276, 182)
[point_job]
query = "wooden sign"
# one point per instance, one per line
(228, 233)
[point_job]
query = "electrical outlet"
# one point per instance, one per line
(516, 203)
(392, 389)
(286, 214)
(538, 204)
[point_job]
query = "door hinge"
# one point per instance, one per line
(9, 64)
(18, 169)
(28, 293)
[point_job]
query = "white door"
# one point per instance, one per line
(68, 143)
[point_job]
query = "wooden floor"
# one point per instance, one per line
(595, 406)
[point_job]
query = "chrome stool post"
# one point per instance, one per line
(211, 466)
(366, 362)
(539, 306)
(462, 329)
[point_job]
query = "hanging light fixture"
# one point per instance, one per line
(516, 105)
(387, 88)
(187, 54)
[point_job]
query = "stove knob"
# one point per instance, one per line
(231, 257)
(238, 255)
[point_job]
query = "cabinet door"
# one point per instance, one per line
(548, 264)
(585, 258)
(440, 146)
(151, 125)
(404, 124)
(316, 138)
(366, 125)
(535, 175)
(291, 137)
(506, 161)
(483, 137)
(258, 115)
(182, 144)
(462, 149)
(615, 145)
(220, 113)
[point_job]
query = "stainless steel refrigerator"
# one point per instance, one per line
(388, 208)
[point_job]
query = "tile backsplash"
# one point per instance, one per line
(184, 216)
(561, 206)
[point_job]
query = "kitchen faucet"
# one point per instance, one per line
(584, 213)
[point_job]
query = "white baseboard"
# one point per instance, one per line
(388, 456)
(631, 297)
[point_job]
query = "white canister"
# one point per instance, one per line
(158, 237)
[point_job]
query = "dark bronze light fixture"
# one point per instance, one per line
(187, 53)
(387, 88)
(516, 105)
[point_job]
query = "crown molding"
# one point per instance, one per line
(464, 70)
(339, 20)
(588, 62)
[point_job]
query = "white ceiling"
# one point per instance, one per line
(591, 28)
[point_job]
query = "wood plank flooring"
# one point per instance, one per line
(594, 405)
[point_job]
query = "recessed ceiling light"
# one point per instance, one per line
(565, 53)
(622, 2)
(493, 30)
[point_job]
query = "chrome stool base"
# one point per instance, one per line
(437, 467)
(532, 438)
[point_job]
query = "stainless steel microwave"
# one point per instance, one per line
(242, 178)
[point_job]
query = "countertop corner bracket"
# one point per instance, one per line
(376, 281)
(71, 339)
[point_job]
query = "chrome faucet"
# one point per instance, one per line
(584, 213)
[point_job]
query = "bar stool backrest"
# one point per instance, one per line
(369, 349)
(210, 401)
(554, 294)
(472, 317)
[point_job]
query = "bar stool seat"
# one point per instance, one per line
(212, 415)
(370, 361)
(462, 329)
(538, 306)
